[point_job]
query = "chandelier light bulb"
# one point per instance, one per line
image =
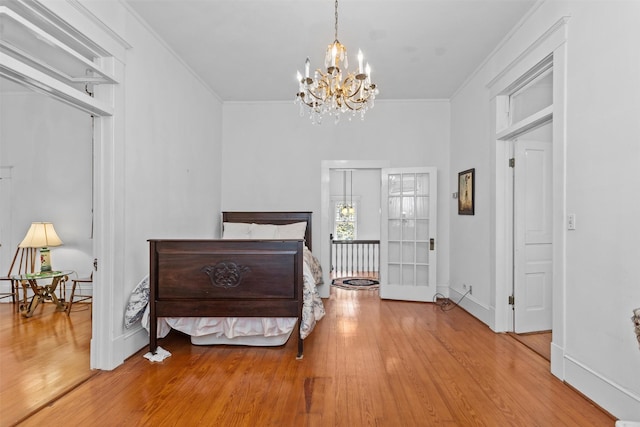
(334, 52)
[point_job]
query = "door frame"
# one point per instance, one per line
(550, 43)
(107, 105)
(325, 202)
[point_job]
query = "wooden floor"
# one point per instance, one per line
(540, 342)
(41, 357)
(369, 362)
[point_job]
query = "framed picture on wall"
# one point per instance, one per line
(466, 192)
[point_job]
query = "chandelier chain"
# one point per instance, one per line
(336, 26)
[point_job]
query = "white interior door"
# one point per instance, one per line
(408, 245)
(533, 233)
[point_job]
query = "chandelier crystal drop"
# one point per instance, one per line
(327, 93)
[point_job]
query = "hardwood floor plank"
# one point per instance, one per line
(369, 362)
(540, 342)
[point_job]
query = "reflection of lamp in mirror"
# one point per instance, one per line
(41, 235)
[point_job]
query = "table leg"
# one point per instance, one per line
(28, 309)
(41, 293)
(50, 292)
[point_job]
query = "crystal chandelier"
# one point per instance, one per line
(327, 93)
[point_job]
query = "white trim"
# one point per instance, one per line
(52, 41)
(607, 394)
(107, 350)
(536, 53)
(24, 74)
(478, 310)
(132, 341)
(525, 125)
(552, 42)
(559, 202)
(537, 73)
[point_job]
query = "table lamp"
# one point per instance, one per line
(41, 235)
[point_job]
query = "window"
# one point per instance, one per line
(345, 220)
(536, 95)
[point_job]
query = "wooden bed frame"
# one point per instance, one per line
(229, 278)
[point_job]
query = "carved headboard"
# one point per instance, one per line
(277, 218)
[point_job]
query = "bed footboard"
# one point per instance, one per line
(225, 278)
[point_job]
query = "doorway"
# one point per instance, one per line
(411, 258)
(532, 213)
(332, 183)
(46, 165)
(355, 228)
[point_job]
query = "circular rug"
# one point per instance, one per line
(356, 283)
(360, 282)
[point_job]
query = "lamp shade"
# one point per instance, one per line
(40, 235)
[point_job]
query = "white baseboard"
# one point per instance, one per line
(134, 340)
(120, 349)
(474, 307)
(557, 361)
(443, 290)
(613, 398)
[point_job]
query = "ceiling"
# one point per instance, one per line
(250, 50)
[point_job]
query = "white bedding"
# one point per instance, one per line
(251, 330)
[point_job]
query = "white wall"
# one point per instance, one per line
(600, 353)
(159, 176)
(47, 145)
(171, 154)
(275, 162)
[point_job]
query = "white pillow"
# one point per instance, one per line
(236, 230)
(263, 231)
(291, 231)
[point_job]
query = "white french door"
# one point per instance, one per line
(533, 236)
(408, 245)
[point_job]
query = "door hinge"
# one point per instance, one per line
(95, 264)
(432, 244)
(512, 300)
(512, 162)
